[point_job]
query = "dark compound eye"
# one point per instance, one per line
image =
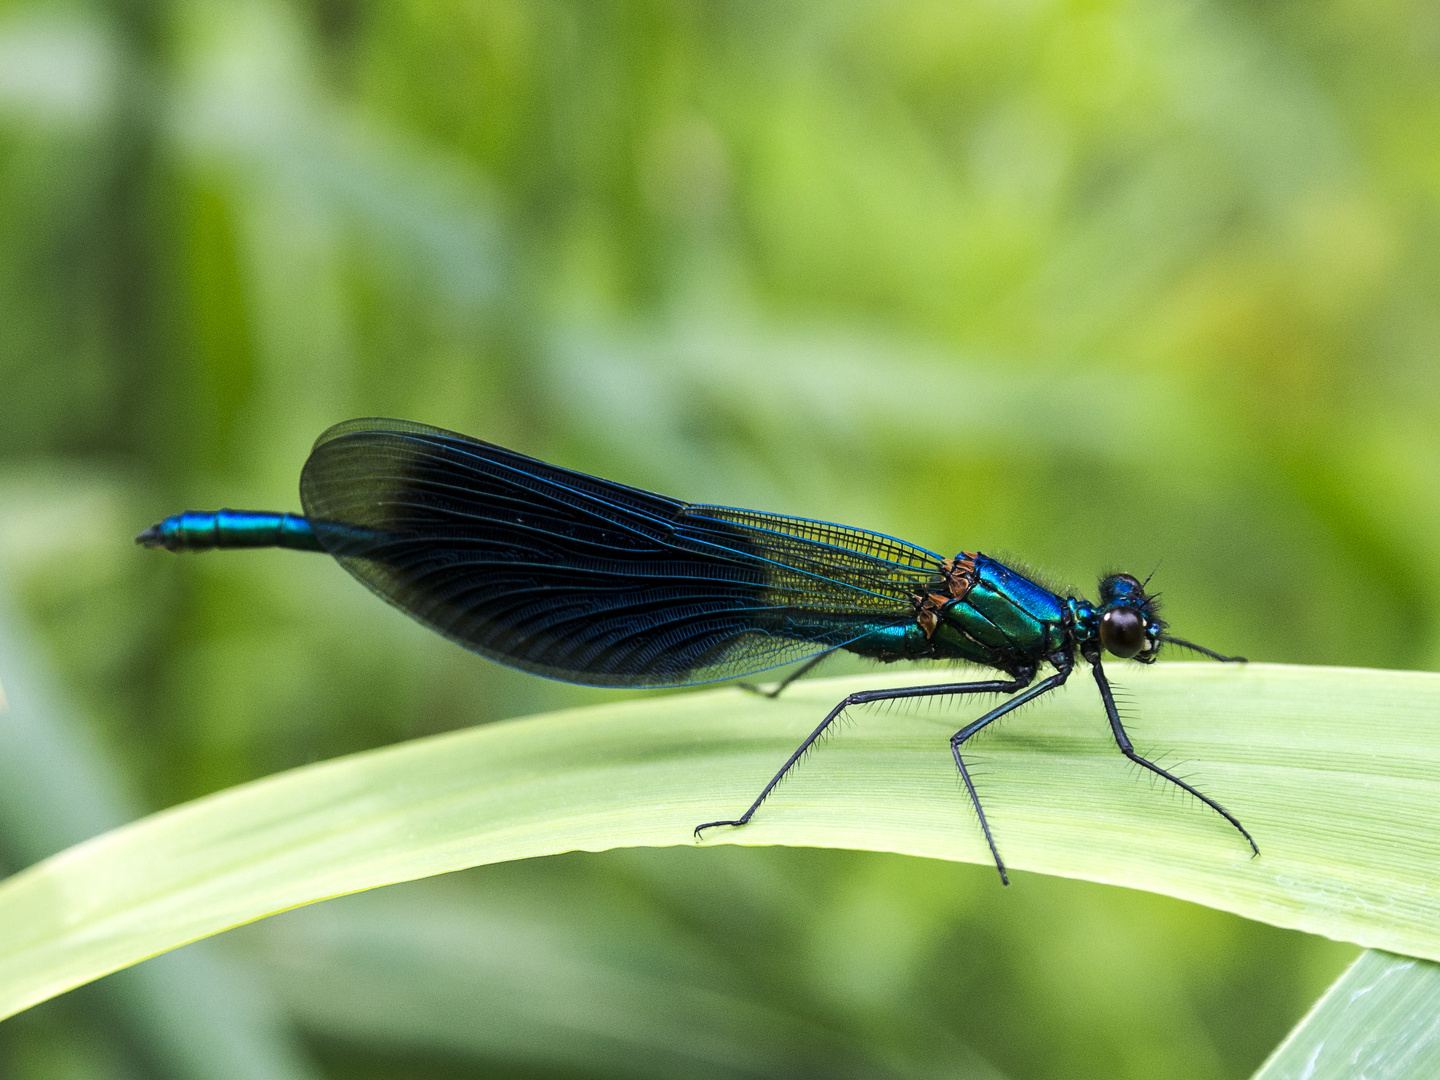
(1122, 632)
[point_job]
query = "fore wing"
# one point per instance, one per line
(582, 579)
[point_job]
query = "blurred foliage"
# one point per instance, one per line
(1115, 283)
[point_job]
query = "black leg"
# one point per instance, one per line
(992, 686)
(1127, 748)
(956, 740)
(803, 669)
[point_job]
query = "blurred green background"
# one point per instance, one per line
(1102, 284)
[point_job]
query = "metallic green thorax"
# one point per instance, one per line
(986, 613)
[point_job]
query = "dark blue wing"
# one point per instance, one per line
(581, 579)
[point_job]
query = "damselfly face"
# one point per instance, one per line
(1129, 625)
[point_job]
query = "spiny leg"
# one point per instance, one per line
(803, 669)
(956, 740)
(1128, 749)
(992, 686)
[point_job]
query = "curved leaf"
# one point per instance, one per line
(1380, 1020)
(1335, 771)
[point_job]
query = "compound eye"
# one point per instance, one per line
(1122, 632)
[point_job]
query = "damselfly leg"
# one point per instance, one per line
(863, 697)
(959, 738)
(1127, 748)
(804, 669)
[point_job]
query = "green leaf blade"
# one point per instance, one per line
(1379, 1021)
(1347, 826)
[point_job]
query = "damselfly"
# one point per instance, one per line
(582, 579)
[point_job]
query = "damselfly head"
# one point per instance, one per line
(1129, 622)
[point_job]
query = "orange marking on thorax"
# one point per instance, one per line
(958, 578)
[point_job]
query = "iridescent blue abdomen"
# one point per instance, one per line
(201, 531)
